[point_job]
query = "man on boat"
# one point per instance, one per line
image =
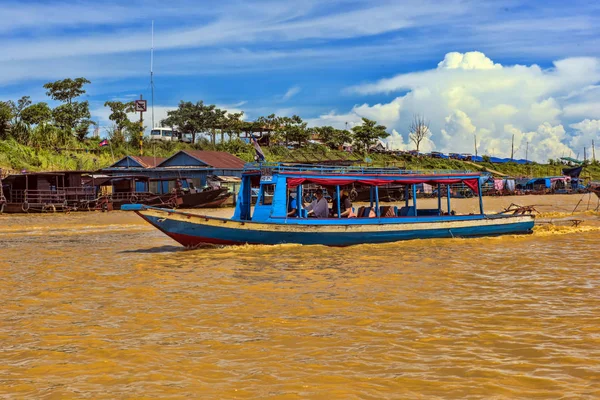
(345, 205)
(292, 205)
(318, 208)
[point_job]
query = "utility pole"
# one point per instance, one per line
(475, 145)
(593, 152)
(527, 151)
(152, 73)
(584, 156)
(141, 131)
(512, 148)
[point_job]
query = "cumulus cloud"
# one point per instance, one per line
(469, 96)
(587, 131)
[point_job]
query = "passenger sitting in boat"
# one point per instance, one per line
(318, 208)
(292, 206)
(345, 205)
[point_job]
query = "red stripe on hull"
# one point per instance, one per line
(195, 241)
(191, 241)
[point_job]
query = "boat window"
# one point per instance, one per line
(266, 197)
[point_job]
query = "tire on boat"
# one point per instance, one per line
(133, 199)
(2, 208)
(25, 206)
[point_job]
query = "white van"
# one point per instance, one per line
(164, 134)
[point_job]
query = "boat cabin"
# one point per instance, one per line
(278, 186)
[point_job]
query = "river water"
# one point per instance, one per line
(101, 305)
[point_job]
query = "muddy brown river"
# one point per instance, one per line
(103, 306)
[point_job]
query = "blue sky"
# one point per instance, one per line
(330, 62)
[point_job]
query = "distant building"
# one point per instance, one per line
(378, 147)
(138, 162)
(193, 164)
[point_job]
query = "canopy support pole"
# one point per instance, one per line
(337, 199)
(371, 196)
(448, 190)
(298, 201)
(406, 196)
(377, 211)
(439, 196)
(414, 194)
(480, 196)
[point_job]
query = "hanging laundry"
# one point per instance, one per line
(510, 185)
(498, 184)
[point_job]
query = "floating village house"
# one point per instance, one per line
(196, 165)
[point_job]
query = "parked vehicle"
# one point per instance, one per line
(169, 135)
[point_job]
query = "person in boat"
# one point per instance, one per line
(345, 205)
(292, 206)
(318, 208)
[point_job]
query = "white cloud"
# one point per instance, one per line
(469, 95)
(470, 60)
(587, 131)
(294, 90)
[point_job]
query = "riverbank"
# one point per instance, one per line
(88, 156)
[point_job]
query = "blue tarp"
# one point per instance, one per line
(477, 158)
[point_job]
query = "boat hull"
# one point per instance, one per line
(192, 230)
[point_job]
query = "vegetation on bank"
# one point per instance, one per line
(87, 155)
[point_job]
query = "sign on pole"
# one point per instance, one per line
(141, 106)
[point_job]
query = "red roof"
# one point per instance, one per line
(148, 161)
(217, 159)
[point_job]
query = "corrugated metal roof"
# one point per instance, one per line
(143, 161)
(148, 161)
(217, 159)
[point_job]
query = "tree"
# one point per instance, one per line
(118, 114)
(36, 114)
(293, 129)
(71, 116)
(332, 137)
(234, 124)
(189, 118)
(66, 90)
(366, 135)
(17, 109)
(419, 130)
(6, 115)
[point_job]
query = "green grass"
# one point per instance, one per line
(88, 156)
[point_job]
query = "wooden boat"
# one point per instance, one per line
(45, 192)
(269, 223)
(595, 188)
(181, 193)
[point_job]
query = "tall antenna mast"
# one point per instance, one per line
(152, 73)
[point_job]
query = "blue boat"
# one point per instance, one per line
(269, 221)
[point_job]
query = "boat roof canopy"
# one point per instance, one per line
(297, 174)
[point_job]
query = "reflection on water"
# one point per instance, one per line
(103, 306)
